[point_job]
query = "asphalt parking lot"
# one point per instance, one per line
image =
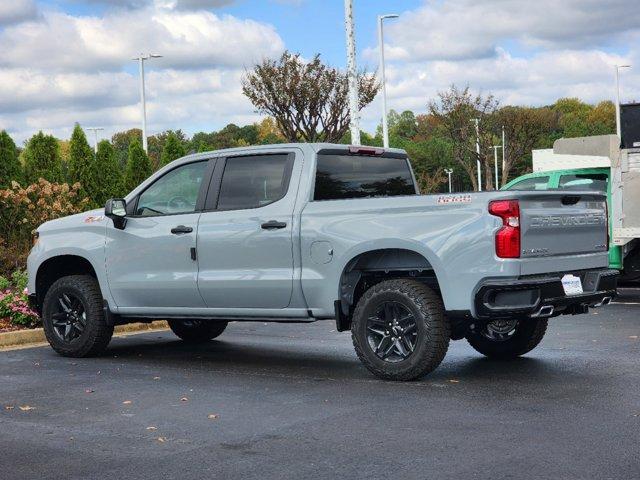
(292, 401)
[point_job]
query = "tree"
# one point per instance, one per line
(121, 142)
(268, 132)
(42, 159)
(138, 166)
(10, 168)
(456, 111)
(525, 129)
(109, 177)
(172, 149)
(82, 166)
(602, 119)
(157, 142)
(308, 101)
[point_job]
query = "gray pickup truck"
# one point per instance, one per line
(302, 232)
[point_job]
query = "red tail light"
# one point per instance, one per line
(508, 237)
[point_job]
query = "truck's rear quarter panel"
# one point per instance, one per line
(454, 233)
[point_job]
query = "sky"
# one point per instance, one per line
(67, 61)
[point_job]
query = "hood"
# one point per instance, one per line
(84, 218)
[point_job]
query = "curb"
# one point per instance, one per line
(36, 335)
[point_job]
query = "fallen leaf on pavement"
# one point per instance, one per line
(89, 390)
(633, 337)
(26, 408)
(213, 416)
(8, 407)
(184, 399)
(453, 381)
(127, 402)
(156, 378)
(161, 439)
(152, 428)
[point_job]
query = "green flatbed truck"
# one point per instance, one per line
(596, 164)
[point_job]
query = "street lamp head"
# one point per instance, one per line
(389, 15)
(155, 55)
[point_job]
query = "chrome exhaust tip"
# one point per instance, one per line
(544, 311)
(603, 302)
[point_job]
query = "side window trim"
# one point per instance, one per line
(211, 163)
(211, 203)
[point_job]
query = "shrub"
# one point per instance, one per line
(23, 209)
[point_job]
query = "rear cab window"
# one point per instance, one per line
(594, 182)
(341, 176)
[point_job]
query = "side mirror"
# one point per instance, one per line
(116, 210)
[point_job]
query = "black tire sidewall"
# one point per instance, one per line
(426, 311)
(204, 331)
(527, 336)
(84, 343)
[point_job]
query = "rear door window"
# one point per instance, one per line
(595, 182)
(533, 183)
(352, 176)
(254, 181)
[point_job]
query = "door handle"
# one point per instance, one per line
(180, 229)
(273, 225)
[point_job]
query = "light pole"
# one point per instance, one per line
(385, 126)
(618, 128)
(477, 123)
(449, 171)
(352, 74)
(141, 60)
(504, 146)
(495, 161)
(95, 134)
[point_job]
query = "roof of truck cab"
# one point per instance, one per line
(316, 147)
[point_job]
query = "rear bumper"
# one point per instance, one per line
(543, 296)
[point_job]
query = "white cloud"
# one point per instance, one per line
(78, 68)
(189, 40)
(15, 11)
(527, 53)
(463, 29)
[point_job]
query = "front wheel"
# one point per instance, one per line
(73, 317)
(399, 330)
(197, 331)
(507, 339)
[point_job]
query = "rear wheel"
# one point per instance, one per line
(506, 339)
(197, 331)
(73, 317)
(399, 330)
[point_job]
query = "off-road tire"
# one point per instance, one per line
(96, 335)
(432, 326)
(197, 331)
(527, 336)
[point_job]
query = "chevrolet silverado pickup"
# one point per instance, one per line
(303, 232)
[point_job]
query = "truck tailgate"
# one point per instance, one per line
(557, 224)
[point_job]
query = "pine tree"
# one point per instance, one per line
(138, 166)
(42, 159)
(10, 168)
(109, 175)
(82, 165)
(172, 150)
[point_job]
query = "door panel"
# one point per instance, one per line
(149, 264)
(245, 253)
